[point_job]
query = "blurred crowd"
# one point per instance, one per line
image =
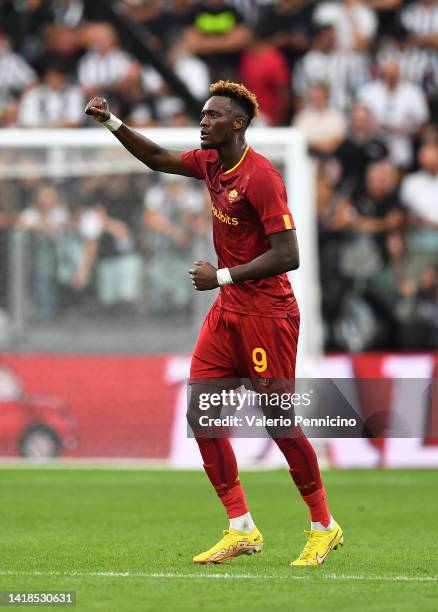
(106, 245)
(359, 77)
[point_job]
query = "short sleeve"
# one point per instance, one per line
(267, 194)
(195, 162)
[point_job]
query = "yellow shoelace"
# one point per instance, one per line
(311, 546)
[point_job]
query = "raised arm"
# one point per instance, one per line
(142, 148)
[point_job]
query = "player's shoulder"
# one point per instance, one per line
(201, 156)
(206, 154)
(260, 161)
(261, 167)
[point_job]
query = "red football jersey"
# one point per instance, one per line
(248, 203)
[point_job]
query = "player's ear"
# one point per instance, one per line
(239, 123)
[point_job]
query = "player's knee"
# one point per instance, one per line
(189, 417)
(195, 406)
(192, 417)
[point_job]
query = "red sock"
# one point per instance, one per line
(221, 468)
(317, 503)
(304, 469)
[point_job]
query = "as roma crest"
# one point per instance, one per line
(233, 195)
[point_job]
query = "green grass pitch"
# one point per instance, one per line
(124, 540)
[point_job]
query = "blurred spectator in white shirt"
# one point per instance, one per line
(45, 220)
(420, 20)
(77, 250)
(54, 103)
(15, 72)
(415, 66)
(355, 23)
(324, 126)
(399, 108)
(419, 193)
(173, 209)
(344, 72)
(105, 64)
(47, 214)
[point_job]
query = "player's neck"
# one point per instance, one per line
(231, 154)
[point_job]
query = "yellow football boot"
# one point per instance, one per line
(233, 544)
(319, 545)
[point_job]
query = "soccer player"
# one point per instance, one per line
(251, 331)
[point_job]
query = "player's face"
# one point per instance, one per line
(217, 122)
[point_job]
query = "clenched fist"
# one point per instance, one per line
(98, 108)
(203, 276)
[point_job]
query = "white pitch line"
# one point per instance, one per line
(73, 574)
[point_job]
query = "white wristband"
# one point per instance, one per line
(224, 277)
(113, 123)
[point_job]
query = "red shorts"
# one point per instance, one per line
(234, 345)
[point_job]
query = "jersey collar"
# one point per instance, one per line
(239, 162)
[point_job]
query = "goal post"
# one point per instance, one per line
(54, 154)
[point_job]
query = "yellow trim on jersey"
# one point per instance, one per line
(239, 162)
(287, 223)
